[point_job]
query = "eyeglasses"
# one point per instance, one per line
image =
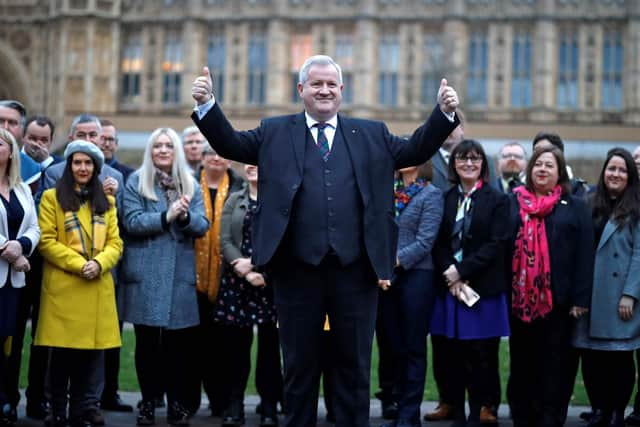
(512, 156)
(472, 159)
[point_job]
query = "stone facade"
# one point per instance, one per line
(518, 65)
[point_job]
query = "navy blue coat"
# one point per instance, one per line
(277, 146)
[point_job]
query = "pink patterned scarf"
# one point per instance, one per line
(531, 279)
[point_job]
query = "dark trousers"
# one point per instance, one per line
(29, 307)
(304, 294)
(543, 369)
(73, 374)
(440, 360)
(327, 351)
(209, 370)
(406, 313)
(3, 373)
(386, 360)
(470, 369)
(636, 401)
(608, 378)
(111, 371)
(162, 356)
(237, 360)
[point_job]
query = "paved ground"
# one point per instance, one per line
(202, 419)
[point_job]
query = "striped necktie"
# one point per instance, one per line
(322, 141)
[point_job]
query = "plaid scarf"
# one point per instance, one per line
(87, 245)
(531, 268)
(463, 219)
(208, 256)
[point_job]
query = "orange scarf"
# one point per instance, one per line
(208, 256)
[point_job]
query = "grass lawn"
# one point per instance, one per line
(129, 381)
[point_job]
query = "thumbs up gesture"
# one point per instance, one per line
(447, 97)
(202, 89)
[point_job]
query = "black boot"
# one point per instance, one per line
(617, 419)
(177, 415)
(599, 418)
(146, 414)
(234, 415)
(269, 414)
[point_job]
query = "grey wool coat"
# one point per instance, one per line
(158, 276)
(616, 273)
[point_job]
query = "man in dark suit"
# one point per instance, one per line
(512, 162)
(324, 228)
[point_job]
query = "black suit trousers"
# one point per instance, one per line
(348, 295)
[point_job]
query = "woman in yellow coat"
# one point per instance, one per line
(80, 244)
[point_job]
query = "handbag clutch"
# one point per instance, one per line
(468, 295)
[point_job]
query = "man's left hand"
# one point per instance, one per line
(447, 97)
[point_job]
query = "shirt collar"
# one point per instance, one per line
(333, 121)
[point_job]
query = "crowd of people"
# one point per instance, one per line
(329, 228)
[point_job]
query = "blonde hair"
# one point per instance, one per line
(13, 165)
(180, 171)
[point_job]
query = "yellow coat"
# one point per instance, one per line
(76, 312)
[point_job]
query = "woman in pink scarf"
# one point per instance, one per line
(552, 274)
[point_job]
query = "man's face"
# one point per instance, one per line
(193, 147)
(37, 141)
(88, 132)
(636, 158)
(512, 161)
(455, 137)
(322, 92)
(10, 120)
(108, 142)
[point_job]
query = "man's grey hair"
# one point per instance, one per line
(317, 60)
(18, 106)
(514, 144)
(190, 130)
(84, 118)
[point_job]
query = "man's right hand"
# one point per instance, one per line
(202, 89)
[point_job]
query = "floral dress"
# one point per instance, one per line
(240, 303)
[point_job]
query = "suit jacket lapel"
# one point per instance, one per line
(353, 144)
(298, 136)
(608, 231)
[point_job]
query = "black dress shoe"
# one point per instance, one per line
(599, 419)
(586, 415)
(389, 410)
(234, 415)
(633, 419)
(177, 415)
(267, 421)
(116, 404)
(37, 410)
(146, 414)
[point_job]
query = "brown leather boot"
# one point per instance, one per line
(487, 416)
(443, 411)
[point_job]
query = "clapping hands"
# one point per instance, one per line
(179, 208)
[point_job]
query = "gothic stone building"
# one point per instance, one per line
(519, 65)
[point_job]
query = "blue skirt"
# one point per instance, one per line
(9, 299)
(488, 318)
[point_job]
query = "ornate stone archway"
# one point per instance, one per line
(14, 76)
